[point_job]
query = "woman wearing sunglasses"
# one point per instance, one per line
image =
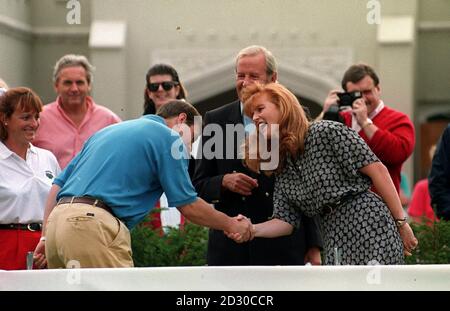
(162, 86)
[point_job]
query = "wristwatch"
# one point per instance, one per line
(400, 222)
(367, 123)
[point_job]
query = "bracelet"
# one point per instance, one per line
(42, 239)
(400, 222)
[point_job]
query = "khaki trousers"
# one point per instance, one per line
(84, 236)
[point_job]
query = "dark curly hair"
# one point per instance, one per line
(161, 69)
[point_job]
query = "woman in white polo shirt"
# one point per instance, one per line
(26, 175)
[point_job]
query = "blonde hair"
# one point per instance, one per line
(293, 123)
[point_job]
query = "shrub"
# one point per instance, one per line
(187, 246)
(177, 247)
(434, 243)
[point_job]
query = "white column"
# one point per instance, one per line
(396, 60)
(108, 55)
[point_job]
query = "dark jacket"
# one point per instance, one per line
(439, 178)
(288, 250)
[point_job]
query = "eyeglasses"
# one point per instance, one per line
(166, 85)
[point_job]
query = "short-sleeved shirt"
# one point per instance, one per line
(326, 171)
(62, 137)
(128, 166)
(24, 184)
(360, 229)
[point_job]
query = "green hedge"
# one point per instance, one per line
(434, 243)
(177, 247)
(187, 246)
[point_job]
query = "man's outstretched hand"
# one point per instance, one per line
(245, 230)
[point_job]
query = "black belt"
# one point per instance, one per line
(331, 207)
(86, 200)
(30, 227)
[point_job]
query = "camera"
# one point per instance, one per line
(347, 98)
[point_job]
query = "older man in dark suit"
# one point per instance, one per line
(225, 182)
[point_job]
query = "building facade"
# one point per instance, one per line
(406, 41)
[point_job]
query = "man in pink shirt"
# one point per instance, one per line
(70, 120)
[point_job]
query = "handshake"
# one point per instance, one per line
(243, 229)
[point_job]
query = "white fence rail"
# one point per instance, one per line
(274, 278)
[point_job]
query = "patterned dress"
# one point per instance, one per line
(360, 229)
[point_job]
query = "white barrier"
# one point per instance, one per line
(273, 278)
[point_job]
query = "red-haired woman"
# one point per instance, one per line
(325, 168)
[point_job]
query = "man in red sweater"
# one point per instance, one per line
(388, 132)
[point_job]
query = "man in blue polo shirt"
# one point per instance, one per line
(112, 184)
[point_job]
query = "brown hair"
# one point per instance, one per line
(177, 106)
(356, 73)
(293, 123)
(18, 98)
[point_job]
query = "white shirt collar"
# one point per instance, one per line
(5, 152)
(377, 110)
(247, 121)
(32, 149)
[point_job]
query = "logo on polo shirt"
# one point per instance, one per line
(49, 174)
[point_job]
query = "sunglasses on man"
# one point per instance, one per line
(166, 85)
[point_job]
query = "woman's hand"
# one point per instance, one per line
(409, 240)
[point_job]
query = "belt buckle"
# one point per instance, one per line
(327, 209)
(29, 227)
